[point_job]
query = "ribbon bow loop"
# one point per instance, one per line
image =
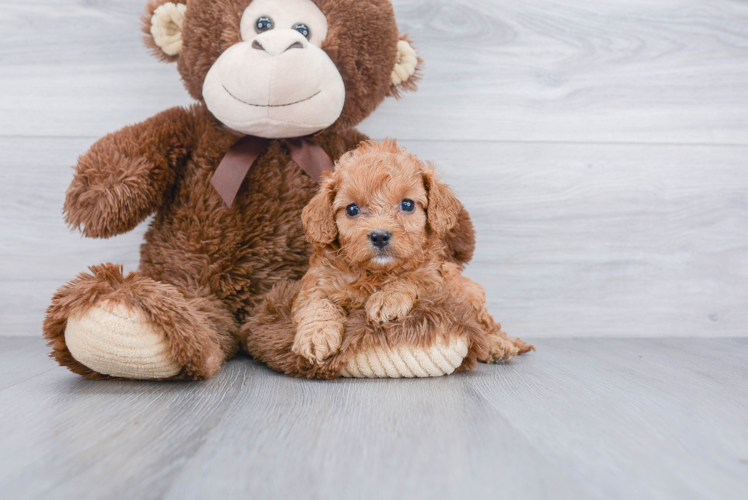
(235, 165)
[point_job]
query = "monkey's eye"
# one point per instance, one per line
(263, 24)
(407, 205)
(352, 210)
(303, 29)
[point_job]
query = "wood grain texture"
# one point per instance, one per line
(573, 239)
(674, 71)
(597, 418)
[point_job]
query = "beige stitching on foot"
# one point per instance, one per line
(404, 361)
(439, 360)
(408, 356)
(389, 367)
(112, 339)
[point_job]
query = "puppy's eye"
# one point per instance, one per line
(263, 24)
(352, 210)
(407, 205)
(303, 29)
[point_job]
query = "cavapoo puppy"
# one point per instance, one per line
(377, 226)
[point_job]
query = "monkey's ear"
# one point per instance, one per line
(443, 207)
(319, 217)
(162, 25)
(406, 71)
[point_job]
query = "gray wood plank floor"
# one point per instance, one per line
(594, 418)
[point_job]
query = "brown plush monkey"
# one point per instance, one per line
(279, 86)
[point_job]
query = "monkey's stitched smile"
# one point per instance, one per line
(269, 105)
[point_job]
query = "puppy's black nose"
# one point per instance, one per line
(379, 238)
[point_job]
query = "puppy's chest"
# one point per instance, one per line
(353, 291)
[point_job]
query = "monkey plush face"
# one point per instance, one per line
(284, 68)
(277, 82)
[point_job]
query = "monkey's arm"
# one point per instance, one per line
(124, 176)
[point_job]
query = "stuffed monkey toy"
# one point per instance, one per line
(279, 86)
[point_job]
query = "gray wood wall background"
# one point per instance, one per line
(601, 148)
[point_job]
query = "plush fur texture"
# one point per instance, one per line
(204, 266)
(360, 292)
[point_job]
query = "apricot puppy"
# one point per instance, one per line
(377, 226)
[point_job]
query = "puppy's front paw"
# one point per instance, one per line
(318, 340)
(384, 307)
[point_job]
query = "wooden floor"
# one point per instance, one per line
(598, 418)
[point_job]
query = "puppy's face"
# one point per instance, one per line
(382, 206)
(380, 213)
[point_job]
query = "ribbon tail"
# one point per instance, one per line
(310, 157)
(228, 177)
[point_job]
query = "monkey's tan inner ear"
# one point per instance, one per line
(405, 67)
(166, 27)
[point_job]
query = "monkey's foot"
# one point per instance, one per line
(408, 361)
(117, 340)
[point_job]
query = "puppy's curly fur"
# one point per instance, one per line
(377, 226)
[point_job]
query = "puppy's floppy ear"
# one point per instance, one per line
(162, 25)
(444, 208)
(319, 217)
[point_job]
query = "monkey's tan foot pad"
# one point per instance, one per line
(406, 361)
(119, 341)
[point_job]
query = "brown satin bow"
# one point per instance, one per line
(234, 167)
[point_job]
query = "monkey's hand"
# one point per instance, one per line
(123, 177)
